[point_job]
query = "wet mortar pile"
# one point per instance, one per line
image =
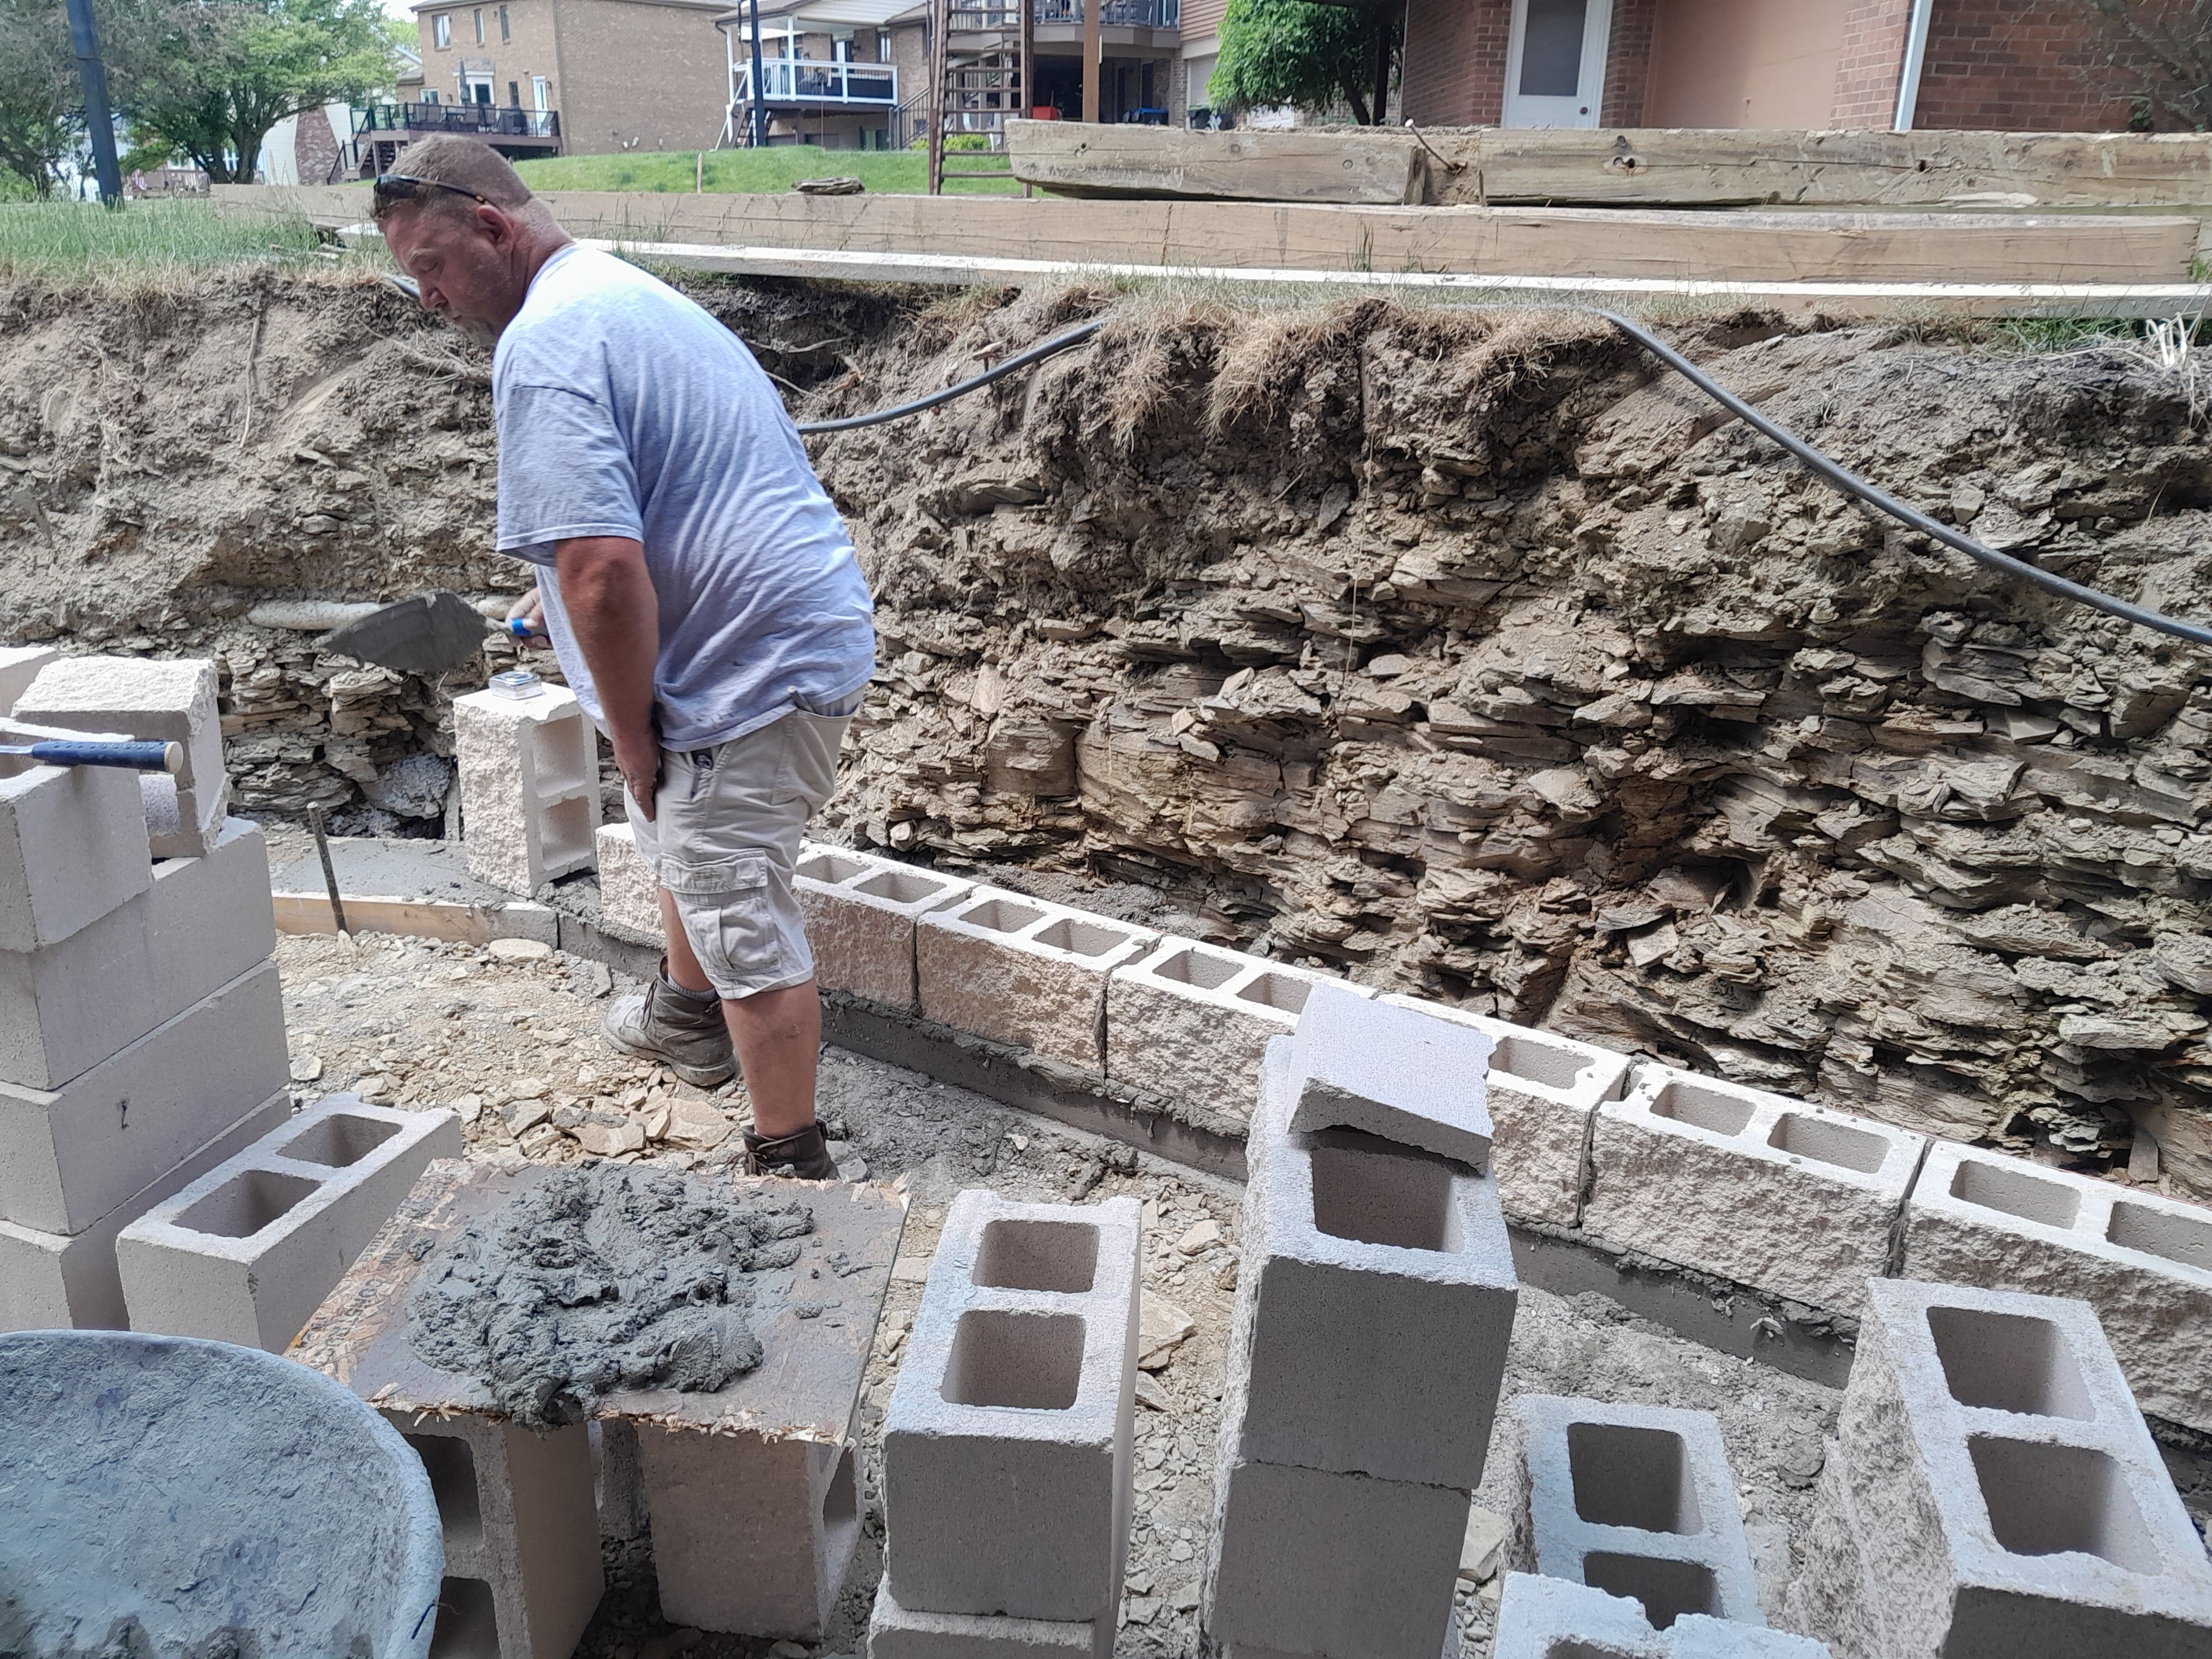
(601, 1279)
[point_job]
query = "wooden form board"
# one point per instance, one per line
(1650, 167)
(1742, 247)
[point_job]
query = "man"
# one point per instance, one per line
(701, 594)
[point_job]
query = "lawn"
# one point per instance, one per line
(887, 172)
(67, 238)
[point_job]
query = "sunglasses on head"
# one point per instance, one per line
(393, 187)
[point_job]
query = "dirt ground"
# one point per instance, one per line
(422, 1024)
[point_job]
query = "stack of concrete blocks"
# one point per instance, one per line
(141, 1029)
(523, 1575)
(860, 913)
(1552, 1619)
(154, 700)
(1193, 1022)
(530, 785)
(2144, 1263)
(19, 666)
(1798, 1201)
(1541, 1092)
(785, 1513)
(1007, 1447)
(1992, 1490)
(1023, 972)
(629, 888)
(1374, 1304)
(247, 1252)
(1633, 1500)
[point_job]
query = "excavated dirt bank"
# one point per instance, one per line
(1459, 651)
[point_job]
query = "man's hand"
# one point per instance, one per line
(530, 610)
(607, 594)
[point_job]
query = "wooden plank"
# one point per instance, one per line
(1307, 164)
(467, 924)
(1740, 247)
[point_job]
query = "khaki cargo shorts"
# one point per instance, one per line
(727, 840)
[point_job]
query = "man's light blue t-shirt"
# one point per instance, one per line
(624, 410)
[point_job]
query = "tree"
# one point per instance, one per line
(212, 76)
(42, 100)
(1311, 57)
(2159, 53)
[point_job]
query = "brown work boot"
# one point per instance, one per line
(683, 1030)
(802, 1157)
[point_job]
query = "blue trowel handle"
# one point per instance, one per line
(138, 756)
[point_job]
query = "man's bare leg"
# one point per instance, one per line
(778, 1036)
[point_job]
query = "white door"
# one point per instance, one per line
(1555, 62)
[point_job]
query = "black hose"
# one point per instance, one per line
(1058, 343)
(1851, 484)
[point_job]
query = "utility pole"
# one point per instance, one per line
(84, 35)
(758, 139)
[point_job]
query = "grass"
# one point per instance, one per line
(81, 239)
(755, 171)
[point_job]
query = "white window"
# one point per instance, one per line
(429, 94)
(441, 30)
(541, 93)
(882, 45)
(479, 17)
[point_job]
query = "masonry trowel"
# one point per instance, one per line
(430, 634)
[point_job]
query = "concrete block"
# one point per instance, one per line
(749, 1535)
(1634, 1500)
(1192, 1021)
(1551, 1619)
(1374, 1304)
(68, 1281)
(1023, 972)
(2142, 1262)
(1999, 1491)
(68, 1155)
(1765, 1190)
(1006, 1448)
(1344, 1566)
(897, 1633)
(530, 785)
(860, 912)
(1391, 1072)
(1539, 1092)
(65, 1007)
(72, 844)
(522, 1542)
(247, 1252)
(19, 666)
(629, 891)
(157, 701)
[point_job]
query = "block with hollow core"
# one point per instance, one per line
(749, 1535)
(65, 1007)
(247, 1252)
(522, 1538)
(19, 666)
(1392, 1073)
(1006, 1448)
(530, 785)
(68, 1155)
(1373, 1305)
(1552, 1619)
(1634, 1500)
(1992, 1491)
(65, 1281)
(72, 844)
(897, 1633)
(155, 701)
(860, 912)
(1193, 1022)
(1342, 1566)
(2142, 1262)
(1539, 1091)
(1023, 972)
(1760, 1189)
(629, 891)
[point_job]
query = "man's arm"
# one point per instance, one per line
(615, 618)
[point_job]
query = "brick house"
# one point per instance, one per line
(842, 74)
(2007, 65)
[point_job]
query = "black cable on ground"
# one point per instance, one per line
(1851, 484)
(1058, 343)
